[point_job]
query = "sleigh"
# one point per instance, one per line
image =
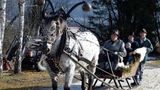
(119, 75)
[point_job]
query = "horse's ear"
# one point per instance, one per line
(46, 15)
(62, 13)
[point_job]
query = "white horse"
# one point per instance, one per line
(80, 44)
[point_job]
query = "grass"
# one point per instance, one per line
(155, 62)
(10, 81)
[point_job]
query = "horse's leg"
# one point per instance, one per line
(52, 75)
(92, 67)
(84, 78)
(68, 66)
(90, 82)
(69, 77)
(54, 80)
(54, 83)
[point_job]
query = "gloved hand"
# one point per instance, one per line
(132, 53)
(115, 53)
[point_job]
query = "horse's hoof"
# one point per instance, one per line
(66, 88)
(54, 88)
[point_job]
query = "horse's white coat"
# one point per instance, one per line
(86, 46)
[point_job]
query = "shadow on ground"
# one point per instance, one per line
(73, 87)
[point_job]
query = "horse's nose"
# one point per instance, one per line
(46, 39)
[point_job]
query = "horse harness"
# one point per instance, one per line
(53, 61)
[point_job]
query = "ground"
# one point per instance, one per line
(31, 80)
(24, 80)
(151, 79)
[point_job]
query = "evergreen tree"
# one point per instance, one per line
(33, 17)
(103, 18)
(126, 15)
(136, 14)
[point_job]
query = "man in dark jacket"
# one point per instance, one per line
(143, 41)
(116, 47)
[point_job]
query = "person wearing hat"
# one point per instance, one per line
(143, 41)
(130, 46)
(116, 49)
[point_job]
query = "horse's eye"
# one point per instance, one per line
(57, 23)
(52, 29)
(51, 34)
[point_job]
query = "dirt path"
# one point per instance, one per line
(151, 78)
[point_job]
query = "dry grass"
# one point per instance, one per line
(26, 79)
(155, 62)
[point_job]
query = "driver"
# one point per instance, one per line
(116, 48)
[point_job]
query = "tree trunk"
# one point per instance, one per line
(2, 28)
(18, 62)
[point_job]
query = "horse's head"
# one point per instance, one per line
(54, 25)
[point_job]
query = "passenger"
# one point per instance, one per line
(143, 41)
(116, 49)
(130, 46)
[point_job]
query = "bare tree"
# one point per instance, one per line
(2, 28)
(18, 62)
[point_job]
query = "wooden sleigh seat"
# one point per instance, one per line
(120, 72)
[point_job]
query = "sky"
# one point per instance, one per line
(78, 14)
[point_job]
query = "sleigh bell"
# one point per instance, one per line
(86, 7)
